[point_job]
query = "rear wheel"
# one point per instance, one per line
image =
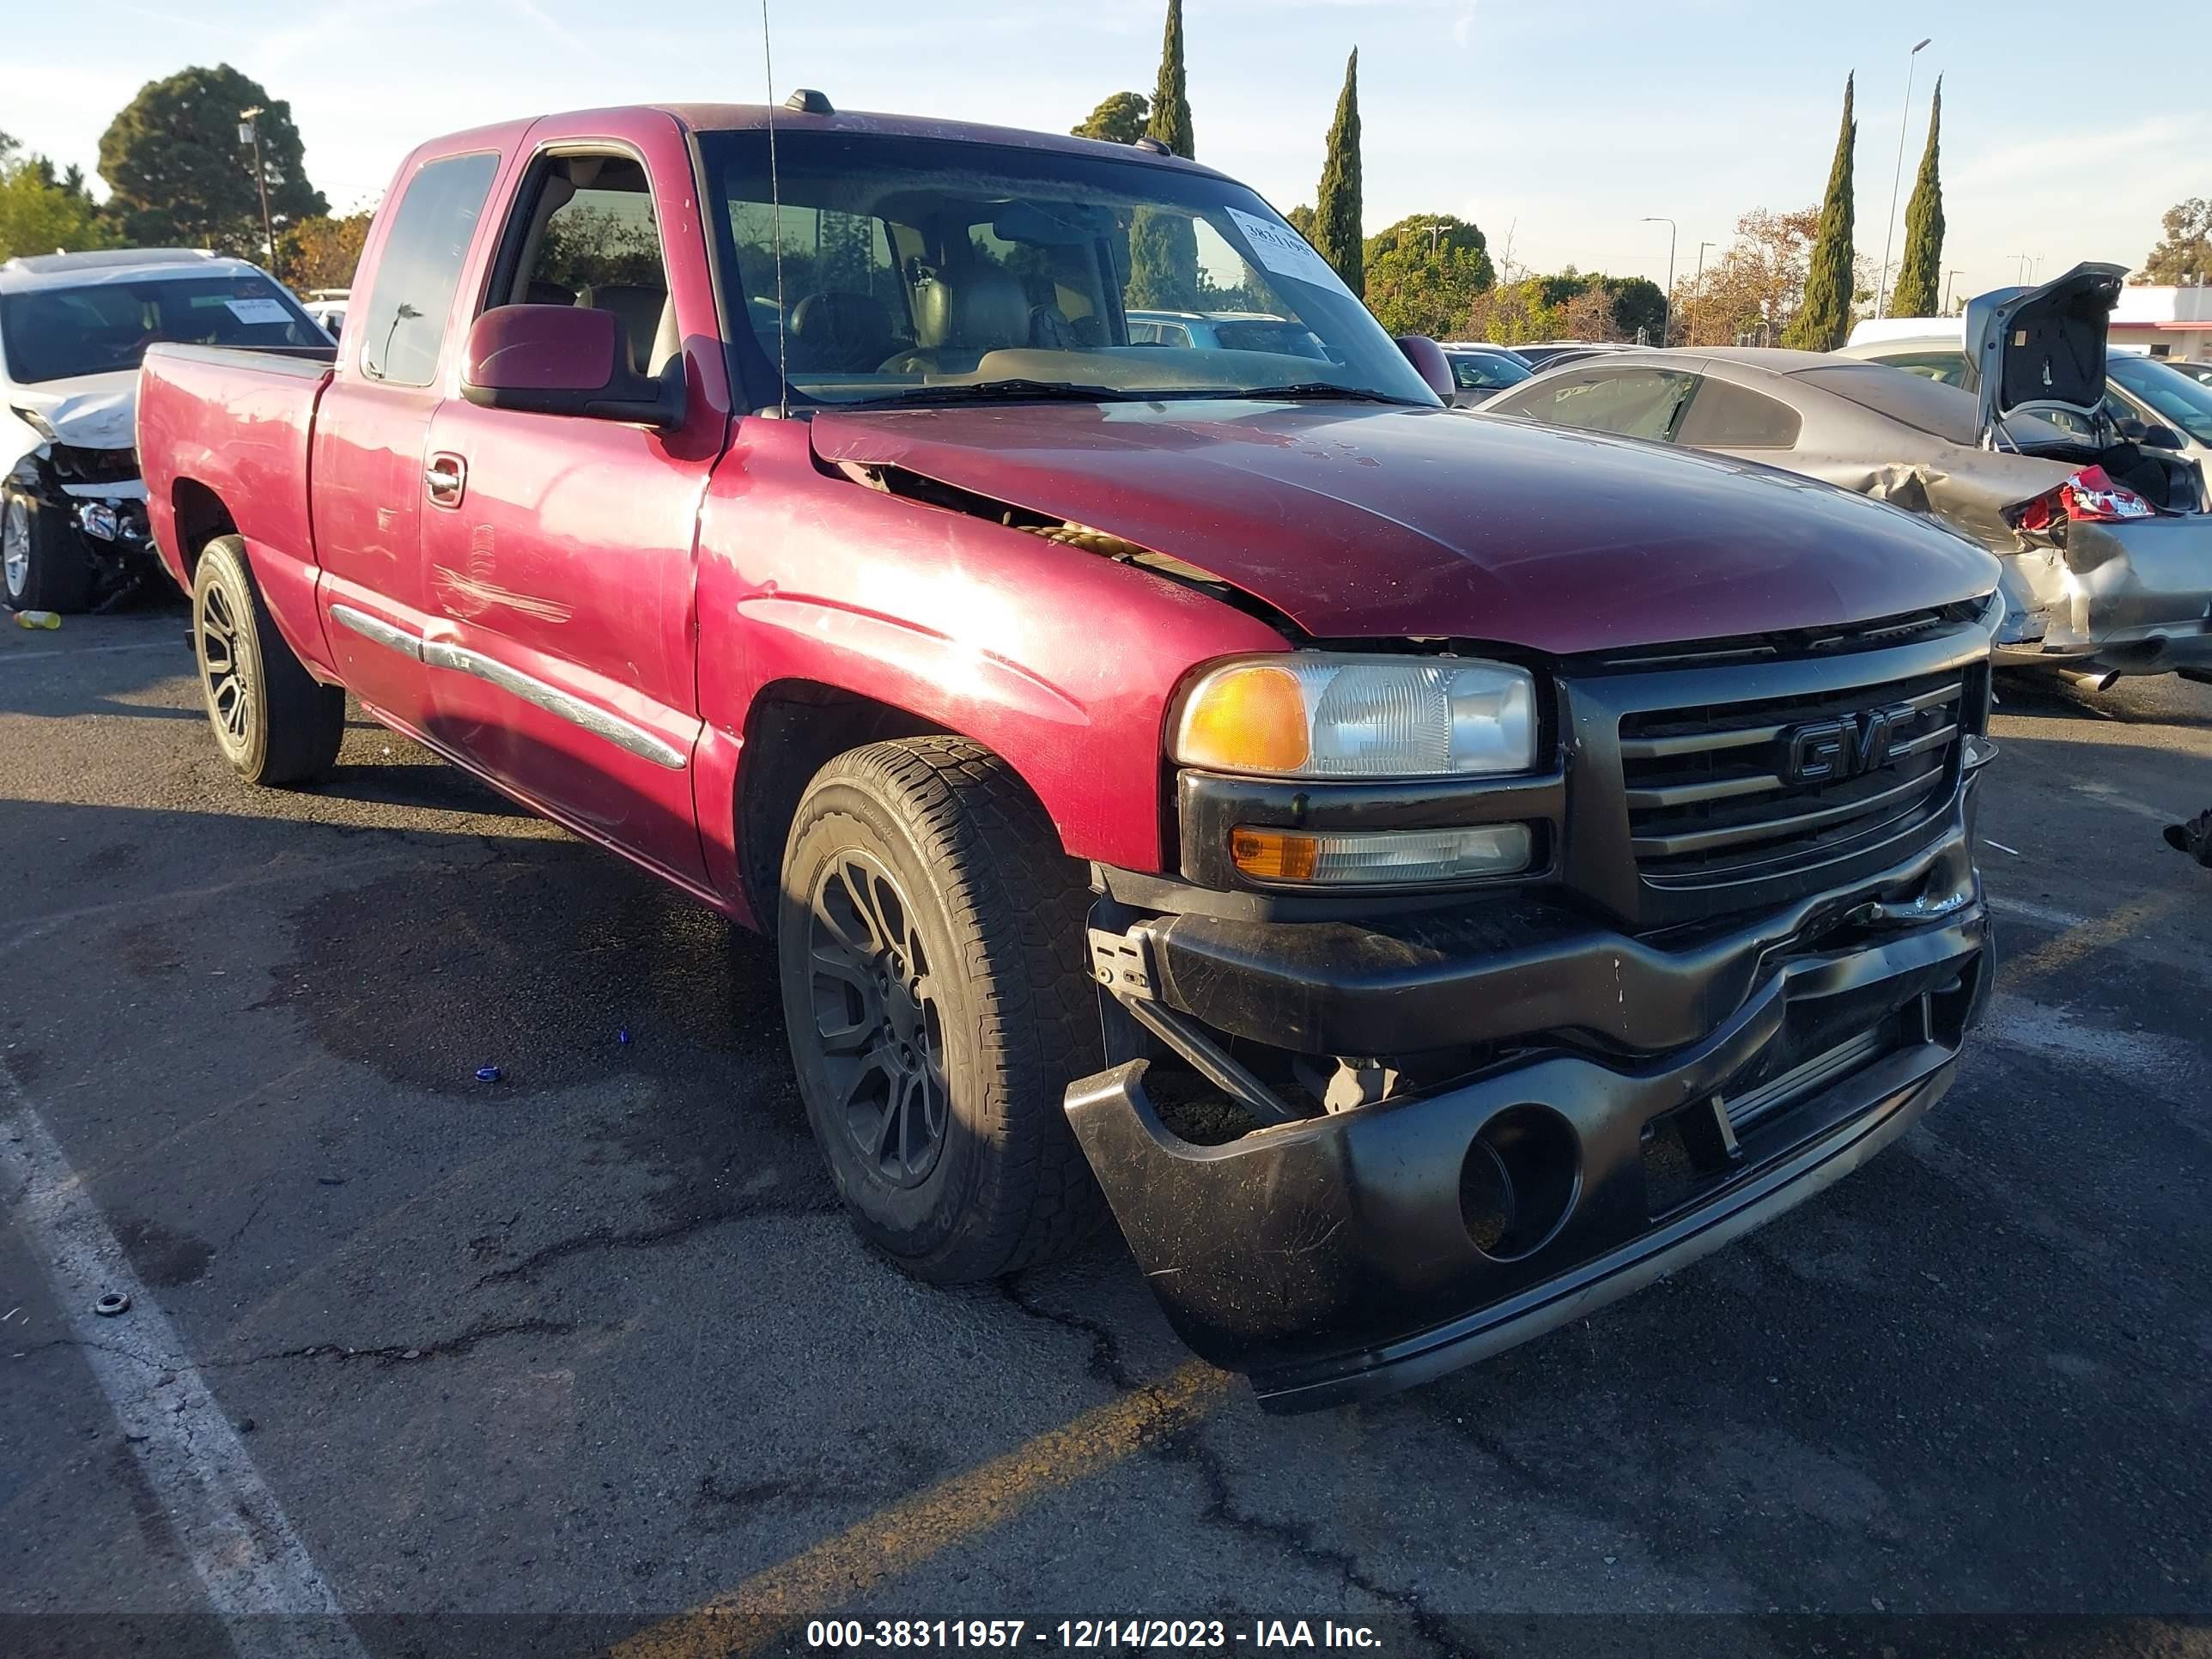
(273, 720)
(931, 935)
(44, 565)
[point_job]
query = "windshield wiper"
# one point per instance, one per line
(1315, 392)
(1002, 391)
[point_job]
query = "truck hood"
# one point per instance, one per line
(93, 412)
(2029, 349)
(1366, 521)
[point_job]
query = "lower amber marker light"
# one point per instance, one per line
(1374, 857)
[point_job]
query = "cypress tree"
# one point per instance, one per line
(1823, 320)
(1336, 232)
(1918, 277)
(1164, 245)
(1170, 117)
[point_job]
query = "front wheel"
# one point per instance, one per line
(273, 720)
(44, 565)
(930, 942)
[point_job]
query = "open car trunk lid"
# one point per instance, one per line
(2030, 350)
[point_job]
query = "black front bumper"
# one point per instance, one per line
(1682, 1097)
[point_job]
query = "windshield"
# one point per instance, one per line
(54, 333)
(922, 270)
(2175, 397)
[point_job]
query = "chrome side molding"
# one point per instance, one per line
(626, 735)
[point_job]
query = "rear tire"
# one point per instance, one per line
(43, 563)
(930, 938)
(274, 723)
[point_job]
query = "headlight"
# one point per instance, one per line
(1316, 716)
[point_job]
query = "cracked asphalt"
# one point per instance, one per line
(537, 1365)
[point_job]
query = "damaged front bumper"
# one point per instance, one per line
(1671, 1097)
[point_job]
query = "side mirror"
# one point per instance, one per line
(1427, 358)
(2161, 437)
(563, 359)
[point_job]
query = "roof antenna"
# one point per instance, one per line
(775, 233)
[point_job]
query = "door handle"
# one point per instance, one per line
(444, 477)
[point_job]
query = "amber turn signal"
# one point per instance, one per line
(1273, 854)
(1248, 719)
(1386, 857)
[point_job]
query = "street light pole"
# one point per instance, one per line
(249, 132)
(1947, 276)
(1667, 317)
(1698, 285)
(1897, 177)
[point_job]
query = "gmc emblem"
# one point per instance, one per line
(1830, 751)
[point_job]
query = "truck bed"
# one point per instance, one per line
(237, 424)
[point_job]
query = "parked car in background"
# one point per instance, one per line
(327, 306)
(1479, 371)
(1224, 331)
(1403, 997)
(73, 327)
(1554, 352)
(2200, 372)
(2106, 547)
(2145, 397)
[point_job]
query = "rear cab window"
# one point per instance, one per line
(403, 324)
(1725, 416)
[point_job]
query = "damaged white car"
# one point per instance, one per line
(2105, 539)
(73, 327)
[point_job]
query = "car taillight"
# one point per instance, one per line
(2090, 496)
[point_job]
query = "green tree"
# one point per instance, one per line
(323, 252)
(1920, 273)
(1825, 319)
(1119, 119)
(41, 212)
(2185, 254)
(1301, 219)
(177, 174)
(1164, 245)
(1336, 233)
(1424, 272)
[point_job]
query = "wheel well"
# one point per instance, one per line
(795, 729)
(201, 517)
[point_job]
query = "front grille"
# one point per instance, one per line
(1728, 791)
(76, 464)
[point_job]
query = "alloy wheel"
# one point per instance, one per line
(876, 1025)
(15, 546)
(223, 670)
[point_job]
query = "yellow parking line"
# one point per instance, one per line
(2070, 946)
(894, 1540)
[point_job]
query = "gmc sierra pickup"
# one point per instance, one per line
(1427, 875)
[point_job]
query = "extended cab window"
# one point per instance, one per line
(583, 233)
(1634, 402)
(403, 323)
(1726, 416)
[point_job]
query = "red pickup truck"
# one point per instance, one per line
(1427, 875)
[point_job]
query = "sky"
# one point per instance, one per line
(1557, 128)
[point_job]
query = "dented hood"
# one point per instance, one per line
(93, 412)
(1366, 521)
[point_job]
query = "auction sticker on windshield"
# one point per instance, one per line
(1282, 250)
(258, 310)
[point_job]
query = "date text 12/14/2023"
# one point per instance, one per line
(1080, 1635)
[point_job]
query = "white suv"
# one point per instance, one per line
(73, 327)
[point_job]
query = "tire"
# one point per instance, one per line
(44, 565)
(274, 723)
(930, 933)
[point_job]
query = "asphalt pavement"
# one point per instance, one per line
(587, 1357)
